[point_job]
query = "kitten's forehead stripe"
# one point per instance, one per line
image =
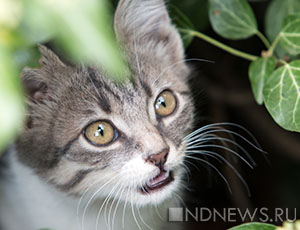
(104, 104)
(146, 87)
(100, 85)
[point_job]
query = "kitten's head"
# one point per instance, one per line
(85, 131)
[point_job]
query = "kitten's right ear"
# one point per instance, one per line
(147, 23)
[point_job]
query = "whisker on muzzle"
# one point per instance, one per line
(201, 140)
(214, 168)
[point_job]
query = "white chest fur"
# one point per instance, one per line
(29, 203)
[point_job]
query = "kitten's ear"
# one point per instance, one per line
(34, 84)
(49, 60)
(147, 23)
(37, 81)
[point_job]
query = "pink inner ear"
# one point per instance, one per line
(38, 96)
(35, 90)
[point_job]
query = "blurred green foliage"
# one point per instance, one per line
(254, 226)
(82, 28)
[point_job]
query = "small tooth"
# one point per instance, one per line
(168, 173)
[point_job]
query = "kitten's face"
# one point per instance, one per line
(87, 132)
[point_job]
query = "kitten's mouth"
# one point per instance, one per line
(161, 180)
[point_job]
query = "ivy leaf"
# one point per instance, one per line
(276, 13)
(182, 22)
(232, 19)
(290, 34)
(282, 96)
(290, 226)
(258, 71)
(254, 226)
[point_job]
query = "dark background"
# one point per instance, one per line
(222, 93)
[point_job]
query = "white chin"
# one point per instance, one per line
(157, 196)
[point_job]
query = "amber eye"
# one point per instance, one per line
(165, 103)
(100, 133)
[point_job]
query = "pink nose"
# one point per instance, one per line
(159, 159)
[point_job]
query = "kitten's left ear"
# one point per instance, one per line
(146, 23)
(37, 81)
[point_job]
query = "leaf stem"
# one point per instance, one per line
(220, 45)
(273, 46)
(282, 62)
(263, 39)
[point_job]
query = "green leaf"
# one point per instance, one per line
(290, 226)
(182, 22)
(232, 19)
(282, 96)
(276, 13)
(258, 71)
(11, 99)
(290, 34)
(254, 226)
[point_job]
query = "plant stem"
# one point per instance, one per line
(220, 45)
(273, 46)
(263, 39)
(282, 62)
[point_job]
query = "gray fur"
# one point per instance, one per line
(63, 100)
(75, 94)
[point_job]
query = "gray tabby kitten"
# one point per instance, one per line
(96, 154)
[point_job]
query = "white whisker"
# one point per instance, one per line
(181, 200)
(215, 168)
(224, 148)
(105, 202)
(158, 214)
(141, 218)
(115, 212)
(133, 213)
(229, 132)
(223, 140)
(92, 197)
(226, 162)
(256, 145)
(124, 208)
(187, 171)
(111, 206)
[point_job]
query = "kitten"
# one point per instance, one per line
(97, 154)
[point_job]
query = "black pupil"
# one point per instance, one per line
(100, 130)
(161, 101)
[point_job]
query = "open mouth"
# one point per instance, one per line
(161, 180)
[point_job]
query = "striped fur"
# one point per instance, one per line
(53, 146)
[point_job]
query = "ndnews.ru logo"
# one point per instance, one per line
(232, 214)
